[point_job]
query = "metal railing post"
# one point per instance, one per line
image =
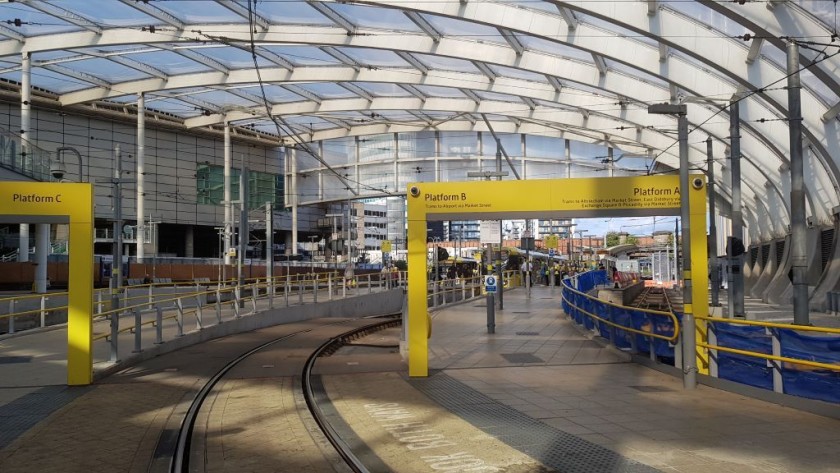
(270, 293)
(236, 296)
(330, 286)
(300, 291)
(286, 291)
(713, 354)
(12, 316)
(778, 380)
(198, 313)
(99, 302)
(151, 296)
(254, 294)
(114, 323)
(218, 306)
(315, 288)
(370, 283)
(138, 325)
(44, 311)
(158, 325)
(344, 287)
(179, 318)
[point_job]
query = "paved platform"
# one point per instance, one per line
(536, 396)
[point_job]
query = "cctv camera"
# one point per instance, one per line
(697, 183)
(57, 171)
(414, 190)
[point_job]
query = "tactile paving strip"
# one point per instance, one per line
(25, 412)
(558, 450)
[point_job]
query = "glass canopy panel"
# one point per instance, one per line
(532, 5)
(35, 23)
(377, 177)
(383, 89)
(394, 115)
(447, 63)
(172, 105)
(376, 148)
(633, 72)
(542, 170)
(48, 80)
(291, 12)
(328, 90)
(612, 30)
(437, 91)
(274, 93)
(417, 145)
(112, 14)
(170, 63)
(465, 29)
(708, 18)
(339, 151)
(302, 55)
(373, 17)
(511, 143)
(823, 10)
(822, 91)
(234, 58)
(459, 144)
(554, 48)
(222, 98)
(496, 96)
(537, 146)
(374, 57)
(200, 11)
(106, 69)
(511, 72)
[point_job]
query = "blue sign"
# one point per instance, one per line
(490, 283)
(551, 252)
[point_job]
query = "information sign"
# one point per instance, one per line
(490, 283)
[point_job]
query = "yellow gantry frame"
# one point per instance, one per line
(42, 202)
(546, 198)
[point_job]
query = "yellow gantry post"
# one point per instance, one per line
(72, 203)
(544, 198)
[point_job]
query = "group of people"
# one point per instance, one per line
(542, 272)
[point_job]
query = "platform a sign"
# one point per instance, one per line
(545, 199)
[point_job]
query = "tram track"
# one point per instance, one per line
(182, 449)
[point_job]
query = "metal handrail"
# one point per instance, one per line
(629, 329)
(816, 364)
(804, 328)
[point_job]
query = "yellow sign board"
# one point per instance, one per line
(551, 242)
(46, 202)
(548, 198)
(386, 246)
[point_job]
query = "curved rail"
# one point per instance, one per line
(329, 346)
(180, 458)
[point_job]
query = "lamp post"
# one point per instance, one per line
(689, 343)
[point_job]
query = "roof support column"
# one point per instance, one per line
(799, 251)
(141, 177)
(227, 202)
(25, 103)
(293, 198)
(736, 276)
(710, 164)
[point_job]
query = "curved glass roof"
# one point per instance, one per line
(582, 69)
